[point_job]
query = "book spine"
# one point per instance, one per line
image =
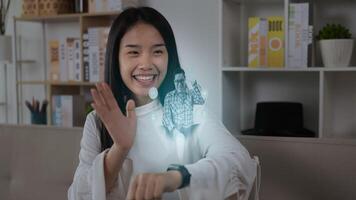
(71, 64)
(78, 75)
(67, 110)
(114, 5)
(253, 41)
(91, 6)
(304, 7)
(103, 37)
(263, 42)
(78, 110)
(56, 110)
(275, 38)
(93, 54)
(63, 61)
(54, 60)
(86, 57)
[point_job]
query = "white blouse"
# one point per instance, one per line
(219, 165)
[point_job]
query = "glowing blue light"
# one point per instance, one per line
(153, 93)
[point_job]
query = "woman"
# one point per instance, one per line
(125, 150)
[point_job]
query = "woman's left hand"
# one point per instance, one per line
(153, 185)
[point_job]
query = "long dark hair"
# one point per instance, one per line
(126, 20)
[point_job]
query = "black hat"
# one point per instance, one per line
(279, 119)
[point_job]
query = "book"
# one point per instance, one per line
(103, 38)
(70, 58)
(54, 60)
(63, 60)
(257, 42)
(299, 36)
(93, 54)
(104, 5)
(68, 110)
(78, 72)
(97, 48)
(86, 56)
(275, 39)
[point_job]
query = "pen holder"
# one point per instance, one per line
(38, 118)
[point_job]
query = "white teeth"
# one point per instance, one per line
(144, 77)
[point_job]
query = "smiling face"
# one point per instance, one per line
(143, 59)
(179, 83)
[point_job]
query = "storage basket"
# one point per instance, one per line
(46, 7)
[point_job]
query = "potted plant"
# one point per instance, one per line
(5, 41)
(336, 45)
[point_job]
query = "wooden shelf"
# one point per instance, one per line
(71, 83)
(65, 17)
(52, 83)
(309, 69)
(98, 14)
(31, 82)
(26, 61)
(61, 17)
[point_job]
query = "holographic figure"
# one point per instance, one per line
(178, 105)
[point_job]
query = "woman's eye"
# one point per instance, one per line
(158, 52)
(133, 53)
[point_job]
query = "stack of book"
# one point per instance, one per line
(65, 60)
(94, 49)
(68, 110)
(266, 42)
(300, 35)
(104, 5)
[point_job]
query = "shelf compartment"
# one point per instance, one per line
(235, 16)
(242, 90)
(340, 105)
(338, 12)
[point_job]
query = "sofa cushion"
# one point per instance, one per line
(37, 162)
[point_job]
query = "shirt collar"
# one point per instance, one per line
(147, 108)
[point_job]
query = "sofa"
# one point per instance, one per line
(37, 162)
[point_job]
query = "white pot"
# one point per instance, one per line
(336, 52)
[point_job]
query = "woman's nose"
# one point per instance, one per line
(146, 62)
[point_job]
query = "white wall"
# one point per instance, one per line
(14, 10)
(196, 27)
(194, 22)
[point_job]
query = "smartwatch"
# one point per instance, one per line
(183, 171)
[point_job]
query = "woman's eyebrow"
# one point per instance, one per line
(159, 45)
(132, 46)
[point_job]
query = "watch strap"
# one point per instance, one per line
(183, 171)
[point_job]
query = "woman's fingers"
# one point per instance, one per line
(150, 188)
(158, 189)
(97, 98)
(108, 95)
(130, 109)
(132, 190)
(145, 186)
(101, 92)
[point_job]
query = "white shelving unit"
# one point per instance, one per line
(52, 27)
(328, 95)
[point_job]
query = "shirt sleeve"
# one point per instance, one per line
(196, 94)
(226, 167)
(167, 114)
(89, 179)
